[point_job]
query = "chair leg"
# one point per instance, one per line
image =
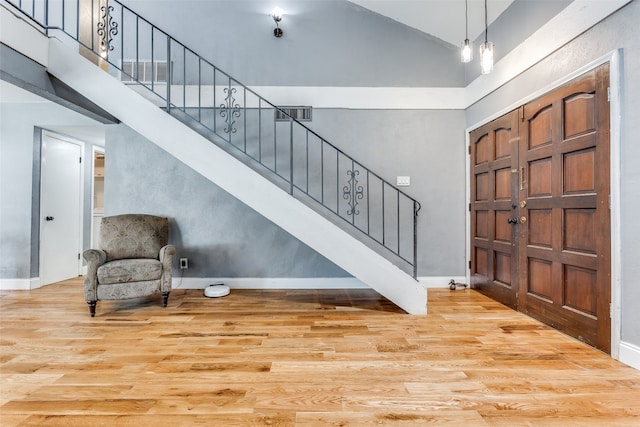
(92, 308)
(165, 298)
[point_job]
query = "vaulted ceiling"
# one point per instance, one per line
(444, 19)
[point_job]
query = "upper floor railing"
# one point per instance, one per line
(191, 88)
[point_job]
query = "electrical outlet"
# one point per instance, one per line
(184, 263)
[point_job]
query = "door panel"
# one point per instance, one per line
(60, 236)
(494, 154)
(564, 250)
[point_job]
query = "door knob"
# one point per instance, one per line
(48, 218)
(512, 220)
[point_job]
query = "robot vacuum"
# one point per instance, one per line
(216, 290)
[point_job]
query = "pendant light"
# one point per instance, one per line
(486, 48)
(466, 53)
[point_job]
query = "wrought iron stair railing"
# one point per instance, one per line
(191, 88)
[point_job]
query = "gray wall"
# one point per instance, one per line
(224, 238)
(618, 31)
(428, 146)
(325, 43)
(20, 183)
(221, 236)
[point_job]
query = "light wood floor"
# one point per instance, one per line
(297, 358)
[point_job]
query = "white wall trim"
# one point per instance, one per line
(630, 354)
(269, 282)
(364, 98)
(297, 283)
(19, 284)
(615, 209)
(440, 282)
(374, 98)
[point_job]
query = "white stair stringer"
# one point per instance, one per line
(236, 178)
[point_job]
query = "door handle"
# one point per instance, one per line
(512, 221)
(48, 218)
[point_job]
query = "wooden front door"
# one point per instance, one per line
(565, 252)
(494, 194)
(559, 268)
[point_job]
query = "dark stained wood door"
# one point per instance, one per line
(564, 228)
(540, 215)
(494, 194)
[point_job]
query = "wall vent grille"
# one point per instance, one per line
(302, 114)
(146, 71)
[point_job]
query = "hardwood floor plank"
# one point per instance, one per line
(401, 419)
(297, 358)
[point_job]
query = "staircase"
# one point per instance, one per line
(240, 141)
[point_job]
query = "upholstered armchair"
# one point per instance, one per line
(134, 260)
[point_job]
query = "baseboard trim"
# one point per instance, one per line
(256, 283)
(269, 283)
(629, 354)
(298, 283)
(19, 284)
(436, 282)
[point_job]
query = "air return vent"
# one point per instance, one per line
(146, 71)
(302, 114)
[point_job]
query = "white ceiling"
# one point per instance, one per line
(444, 19)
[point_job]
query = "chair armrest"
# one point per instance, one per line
(166, 258)
(95, 258)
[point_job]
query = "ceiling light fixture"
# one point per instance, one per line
(467, 45)
(486, 48)
(276, 14)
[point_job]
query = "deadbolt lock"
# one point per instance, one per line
(523, 204)
(523, 219)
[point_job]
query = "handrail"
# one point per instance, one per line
(193, 89)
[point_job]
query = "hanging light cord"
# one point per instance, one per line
(466, 19)
(486, 25)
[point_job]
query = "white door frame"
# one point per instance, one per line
(44, 134)
(615, 105)
(95, 150)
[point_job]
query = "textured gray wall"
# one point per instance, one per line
(221, 236)
(325, 43)
(618, 31)
(426, 145)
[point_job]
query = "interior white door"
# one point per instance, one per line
(60, 209)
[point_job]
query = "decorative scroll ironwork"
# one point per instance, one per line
(107, 28)
(230, 110)
(352, 192)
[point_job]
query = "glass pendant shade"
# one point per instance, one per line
(486, 57)
(466, 53)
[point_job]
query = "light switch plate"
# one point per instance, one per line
(403, 181)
